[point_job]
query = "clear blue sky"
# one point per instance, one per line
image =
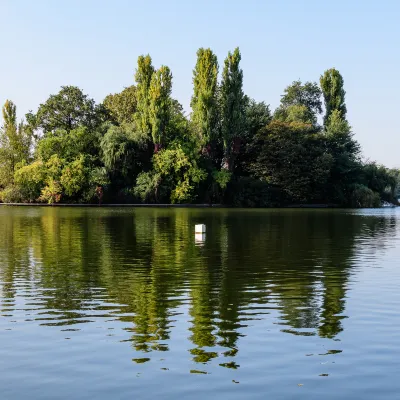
(94, 44)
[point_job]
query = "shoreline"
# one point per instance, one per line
(114, 205)
(135, 205)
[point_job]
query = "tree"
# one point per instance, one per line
(300, 103)
(30, 179)
(69, 145)
(381, 180)
(258, 115)
(139, 143)
(74, 176)
(160, 105)
(8, 140)
(333, 92)
(124, 152)
(204, 101)
(10, 117)
(232, 108)
(122, 106)
(52, 192)
(174, 178)
(345, 152)
(15, 143)
(293, 158)
(67, 110)
(143, 75)
(179, 128)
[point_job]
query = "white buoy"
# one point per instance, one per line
(201, 228)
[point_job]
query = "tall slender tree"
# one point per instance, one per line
(160, 105)
(15, 141)
(204, 100)
(8, 139)
(334, 93)
(232, 108)
(143, 75)
(9, 114)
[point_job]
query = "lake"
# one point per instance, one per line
(125, 303)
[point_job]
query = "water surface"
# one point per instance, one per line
(128, 303)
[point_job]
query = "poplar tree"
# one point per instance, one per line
(143, 75)
(15, 142)
(160, 105)
(8, 136)
(204, 101)
(334, 94)
(10, 118)
(232, 108)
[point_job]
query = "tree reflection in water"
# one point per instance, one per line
(144, 268)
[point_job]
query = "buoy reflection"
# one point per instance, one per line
(199, 239)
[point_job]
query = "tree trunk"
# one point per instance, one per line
(157, 147)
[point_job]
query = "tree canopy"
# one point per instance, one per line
(333, 92)
(139, 145)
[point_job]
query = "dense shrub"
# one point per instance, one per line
(30, 180)
(11, 194)
(363, 197)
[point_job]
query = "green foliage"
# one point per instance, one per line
(222, 177)
(54, 166)
(337, 125)
(143, 75)
(295, 113)
(147, 185)
(67, 110)
(11, 194)
(15, 143)
(30, 179)
(97, 181)
(395, 174)
(204, 101)
(173, 179)
(232, 103)
(51, 193)
(178, 173)
(139, 144)
(381, 180)
(160, 104)
(180, 130)
(300, 103)
(124, 150)
(54, 143)
(122, 106)
(68, 145)
(10, 115)
(334, 94)
(258, 115)
(116, 148)
(345, 151)
(308, 95)
(74, 176)
(291, 157)
(364, 197)
(99, 177)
